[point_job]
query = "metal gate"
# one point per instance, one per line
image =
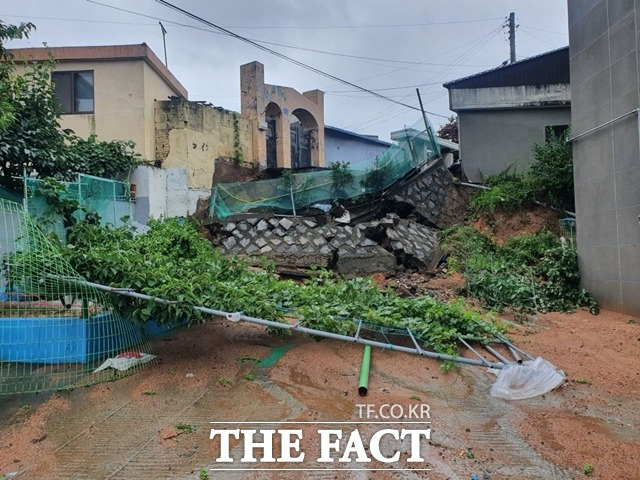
(272, 161)
(300, 147)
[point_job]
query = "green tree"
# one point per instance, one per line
(7, 33)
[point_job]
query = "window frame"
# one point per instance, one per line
(73, 73)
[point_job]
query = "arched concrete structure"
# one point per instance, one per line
(259, 102)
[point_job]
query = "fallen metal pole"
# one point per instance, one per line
(238, 316)
(511, 345)
(496, 354)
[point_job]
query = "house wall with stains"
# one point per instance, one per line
(193, 135)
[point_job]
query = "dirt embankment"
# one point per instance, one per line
(502, 225)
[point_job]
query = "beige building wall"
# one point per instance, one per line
(192, 136)
(127, 81)
(118, 90)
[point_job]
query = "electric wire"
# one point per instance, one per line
(284, 57)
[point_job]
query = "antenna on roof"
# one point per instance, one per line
(164, 42)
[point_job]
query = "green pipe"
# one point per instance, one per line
(364, 371)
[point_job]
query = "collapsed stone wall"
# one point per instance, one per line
(433, 197)
(406, 235)
(368, 247)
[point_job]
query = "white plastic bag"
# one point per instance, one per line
(125, 361)
(532, 378)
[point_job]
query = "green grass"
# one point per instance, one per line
(248, 359)
(225, 381)
(587, 469)
(186, 428)
(149, 392)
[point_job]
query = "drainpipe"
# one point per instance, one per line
(364, 371)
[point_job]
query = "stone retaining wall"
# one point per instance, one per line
(379, 245)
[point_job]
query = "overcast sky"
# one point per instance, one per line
(409, 43)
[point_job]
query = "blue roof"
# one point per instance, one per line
(346, 133)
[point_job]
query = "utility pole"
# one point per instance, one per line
(164, 42)
(512, 37)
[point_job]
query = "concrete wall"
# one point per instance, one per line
(256, 96)
(192, 136)
(164, 193)
(518, 96)
(337, 148)
(155, 89)
(604, 82)
(493, 140)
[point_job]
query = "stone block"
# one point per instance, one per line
(229, 243)
(286, 224)
(364, 261)
(262, 226)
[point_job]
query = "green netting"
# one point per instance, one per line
(109, 199)
(294, 192)
(55, 330)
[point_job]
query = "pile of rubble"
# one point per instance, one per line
(368, 247)
(405, 238)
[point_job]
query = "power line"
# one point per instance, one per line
(81, 20)
(475, 41)
(280, 55)
(546, 31)
(478, 44)
(383, 89)
(266, 42)
(390, 25)
(522, 29)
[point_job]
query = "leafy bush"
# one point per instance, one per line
(529, 272)
(172, 260)
(509, 191)
(550, 181)
(551, 175)
(341, 178)
(466, 248)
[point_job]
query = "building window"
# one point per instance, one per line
(74, 91)
(557, 131)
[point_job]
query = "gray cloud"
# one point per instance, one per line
(208, 64)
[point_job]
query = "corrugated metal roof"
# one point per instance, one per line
(549, 68)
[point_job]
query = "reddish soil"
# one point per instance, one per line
(502, 225)
(115, 430)
(602, 426)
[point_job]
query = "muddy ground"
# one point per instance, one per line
(118, 430)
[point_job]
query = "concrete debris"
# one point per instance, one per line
(407, 236)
